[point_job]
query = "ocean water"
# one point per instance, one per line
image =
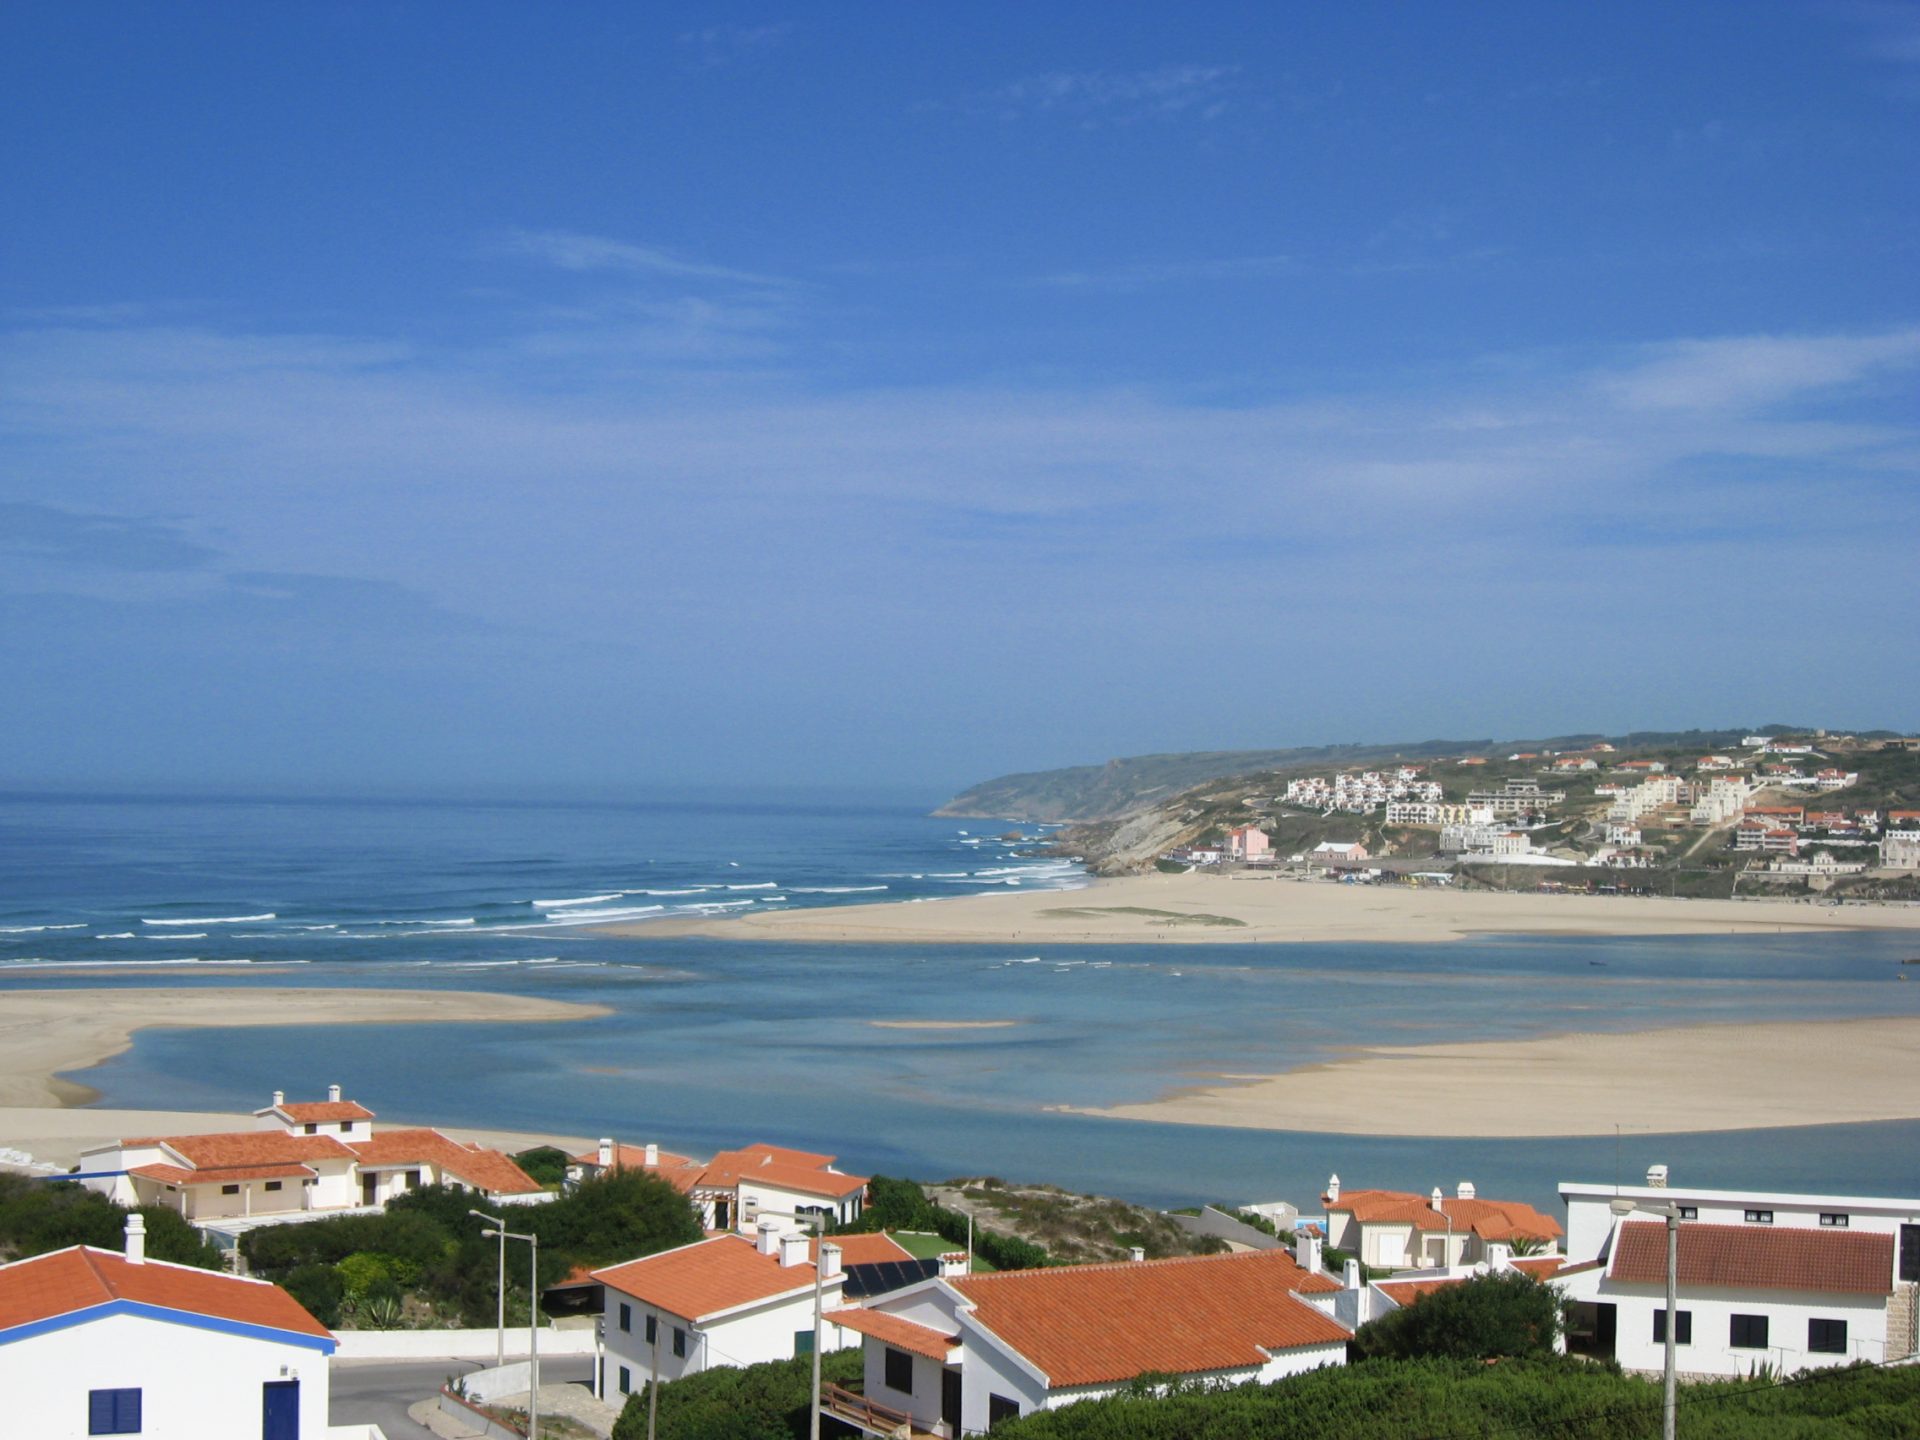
(712, 1043)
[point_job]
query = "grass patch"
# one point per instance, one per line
(924, 1246)
(1156, 917)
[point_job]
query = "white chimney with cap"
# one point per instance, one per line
(1350, 1275)
(136, 1239)
(653, 1155)
(1464, 1190)
(1439, 1201)
(605, 1157)
(279, 1098)
(793, 1249)
(953, 1264)
(829, 1260)
(333, 1094)
(1499, 1256)
(1137, 1253)
(767, 1235)
(1306, 1249)
(1333, 1187)
(1656, 1177)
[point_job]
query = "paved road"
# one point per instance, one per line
(378, 1392)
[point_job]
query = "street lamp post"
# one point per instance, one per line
(1671, 1214)
(500, 1326)
(533, 1325)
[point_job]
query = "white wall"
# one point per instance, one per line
(751, 1337)
(455, 1344)
(1787, 1314)
(195, 1384)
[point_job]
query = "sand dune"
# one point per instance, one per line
(1695, 1078)
(1198, 909)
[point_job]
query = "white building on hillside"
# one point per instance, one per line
(958, 1354)
(1766, 1279)
(1900, 850)
(1398, 1230)
(100, 1342)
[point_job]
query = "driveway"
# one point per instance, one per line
(378, 1392)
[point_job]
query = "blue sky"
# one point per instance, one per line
(417, 395)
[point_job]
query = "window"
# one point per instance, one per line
(1833, 1220)
(1682, 1327)
(1748, 1332)
(1910, 1252)
(1827, 1337)
(1759, 1217)
(999, 1408)
(229, 1189)
(626, 1318)
(346, 1127)
(113, 1412)
(803, 1342)
(311, 1129)
(626, 1381)
(679, 1343)
(653, 1329)
(273, 1184)
(899, 1375)
(1689, 1212)
(413, 1181)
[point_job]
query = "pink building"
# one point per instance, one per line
(1246, 843)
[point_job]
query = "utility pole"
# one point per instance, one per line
(819, 1264)
(500, 1323)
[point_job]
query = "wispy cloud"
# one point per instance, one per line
(570, 250)
(719, 44)
(1890, 31)
(1120, 97)
(1138, 275)
(1751, 372)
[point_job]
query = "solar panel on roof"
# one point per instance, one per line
(882, 1277)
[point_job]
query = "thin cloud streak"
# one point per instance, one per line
(585, 254)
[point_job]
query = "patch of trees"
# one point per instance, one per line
(38, 1215)
(1490, 1317)
(423, 1258)
(902, 1205)
(752, 1402)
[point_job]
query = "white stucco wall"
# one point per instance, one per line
(195, 1384)
(749, 1337)
(1710, 1353)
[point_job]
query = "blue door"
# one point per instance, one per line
(280, 1410)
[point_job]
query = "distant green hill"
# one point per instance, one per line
(1122, 787)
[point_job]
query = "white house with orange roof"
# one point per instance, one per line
(103, 1342)
(959, 1353)
(1398, 1230)
(306, 1157)
(607, 1157)
(739, 1187)
(725, 1300)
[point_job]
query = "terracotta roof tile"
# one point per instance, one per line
(247, 1148)
(794, 1170)
(1097, 1324)
(710, 1276)
(875, 1249)
(1489, 1219)
(317, 1112)
(83, 1277)
(485, 1169)
(1755, 1257)
(228, 1175)
(1405, 1292)
(892, 1330)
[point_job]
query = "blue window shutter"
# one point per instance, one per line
(129, 1416)
(100, 1412)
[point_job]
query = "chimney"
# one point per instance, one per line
(279, 1098)
(829, 1260)
(136, 1239)
(333, 1094)
(605, 1157)
(1333, 1188)
(1439, 1201)
(1499, 1256)
(1137, 1253)
(1350, 1275)
(767, 1240)
(1464, 1190)
(793, 1250)
(953, 1263)
(1306, 1249)
(1656, 1177)
(653, 1156)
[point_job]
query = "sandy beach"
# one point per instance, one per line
(1197, 909)
(1694, 1078)
(46, 1032)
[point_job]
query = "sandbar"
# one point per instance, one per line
(942, 1024)
(45, 1032)
(1683, 1079)
(1199, 909)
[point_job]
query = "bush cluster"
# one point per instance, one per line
(753, 1402)
(39, 1215)
(902, 1205)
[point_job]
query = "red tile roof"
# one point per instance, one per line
(174, 1175)
(1099, 1324)
(1489, 1219)
(679, 1171)
(872, 1249)
(485, 1169)
(794, 1170)
(1405, 1292)
(251, 1148)
(66, 1281)
(1756, 1257)
(891, 1329)
(316, 1112)
(710, 1276)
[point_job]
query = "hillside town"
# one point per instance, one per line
(776, 1258)
(1780, 815)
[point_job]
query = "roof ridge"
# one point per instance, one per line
(1105, 1265)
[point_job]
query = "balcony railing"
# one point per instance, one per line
(869, 1415)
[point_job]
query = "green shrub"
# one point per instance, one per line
(39, 1215)
(1488, 1317)
(546, 1164)
(753, 1402)
(319, 1289)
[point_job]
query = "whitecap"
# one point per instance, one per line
(758, 885)
(122, 935)
(214, 920)
(196, 935)
(577, 900)
(36, 929)
(589, 917)
(835, 889)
